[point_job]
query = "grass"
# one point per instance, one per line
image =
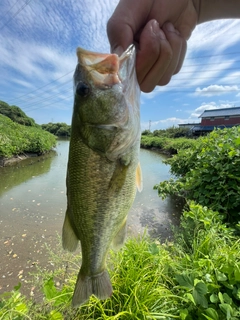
(195, 277)
(17, 139)
(167, 145)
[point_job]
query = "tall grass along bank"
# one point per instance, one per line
(17, 139)
(166, 145)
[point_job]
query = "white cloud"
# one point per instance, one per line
(215, 36)
(168, 122)
(38, 46)
(209, 106)
(231, 78)
(214, 90)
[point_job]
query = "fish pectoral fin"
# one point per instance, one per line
(99, 285)
(139, 181)
(118, 240)
(69, 238)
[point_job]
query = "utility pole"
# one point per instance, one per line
(150, 125)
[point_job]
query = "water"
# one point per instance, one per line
(33, 204)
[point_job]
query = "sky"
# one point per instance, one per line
(38, 41)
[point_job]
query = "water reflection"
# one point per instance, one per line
(24, 170)
(149, 210)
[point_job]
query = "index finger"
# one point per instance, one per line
(128, 17)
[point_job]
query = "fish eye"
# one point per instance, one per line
(82, 89)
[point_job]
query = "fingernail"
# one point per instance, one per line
(170, 27)
(155, 26)
(156, 29)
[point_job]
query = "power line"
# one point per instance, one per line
(45, 85)
(209, 70)
(40, 102)
(39, 88)
(60, 85)
(210, 63)
(220, 70)
(192, 78)
(202, 93)
(4, 14)
(19, 10)
(44, 106)
(213, 55)
(45, 99)
(41, 96)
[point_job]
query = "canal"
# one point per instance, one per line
(33, 204)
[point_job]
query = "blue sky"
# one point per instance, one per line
(38, 41)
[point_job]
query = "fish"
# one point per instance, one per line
(103, 171)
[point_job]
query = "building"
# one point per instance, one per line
(188, 125)
(217, 118)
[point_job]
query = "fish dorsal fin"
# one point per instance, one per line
(139, 181)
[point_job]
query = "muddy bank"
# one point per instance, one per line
(168, 152)
(7, 162)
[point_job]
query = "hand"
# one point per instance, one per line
(160, 28)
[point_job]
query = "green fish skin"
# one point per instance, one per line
(103, 166)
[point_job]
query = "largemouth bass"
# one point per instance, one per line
(103, 166)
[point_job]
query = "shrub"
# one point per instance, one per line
(16, 114)
(209, 173)
(195, 278)
(16, 139)
(59, 129)
(171, 146)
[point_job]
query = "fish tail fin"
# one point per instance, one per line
(119, 238)
(99, 285)
(69, 238)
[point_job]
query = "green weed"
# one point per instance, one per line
(209, 173)
(17, 139)
(196, 277)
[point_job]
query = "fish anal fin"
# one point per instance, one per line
(69, 238)
(139, 181)
(119, 239)
(99, 285)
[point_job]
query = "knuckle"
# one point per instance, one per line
(146, 87)
(164, 80)
(110, 25)
(167, 53)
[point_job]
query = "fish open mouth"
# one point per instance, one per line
(103, 68)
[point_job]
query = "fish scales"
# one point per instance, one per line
(103, 166)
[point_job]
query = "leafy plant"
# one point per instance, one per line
(209, 173)
(167, 145)
(196, 277)
(16, 114)
(13, 306)
(59, 129)
(17, 139)
(171, 132)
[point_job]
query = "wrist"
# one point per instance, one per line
(217, 9)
